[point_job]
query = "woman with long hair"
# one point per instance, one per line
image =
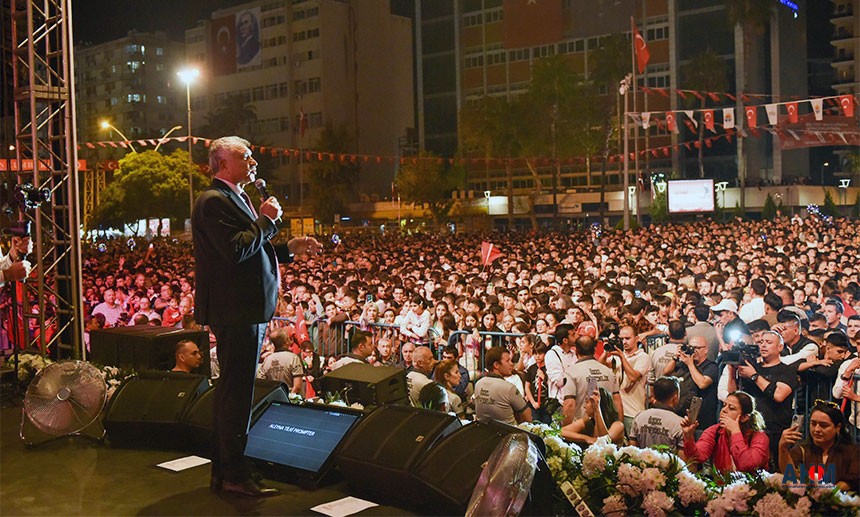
(829, 444)
(736, 443)
(599, 419)
(447, 373)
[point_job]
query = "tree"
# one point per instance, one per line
(148, 184)
(427, 181)
(768, 212)
(829, 207)
(486, 126)
(705, 72)
(331, 181)
(232, 117)
(659, 207)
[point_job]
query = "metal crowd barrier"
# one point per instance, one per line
(473, 356)
(805, 400)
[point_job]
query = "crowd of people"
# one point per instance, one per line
(616, 333)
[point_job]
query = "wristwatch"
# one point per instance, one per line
(754, 377)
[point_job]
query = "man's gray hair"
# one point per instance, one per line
(218, 150)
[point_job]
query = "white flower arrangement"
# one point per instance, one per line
(620, 481)
(29, 365)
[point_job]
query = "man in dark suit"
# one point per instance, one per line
(236, 293)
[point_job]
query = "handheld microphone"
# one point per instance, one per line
(260, 185)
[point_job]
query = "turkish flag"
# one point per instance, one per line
(791, 107)
(222, 45)
(642, 53)
(847, 104)
(303, 122)
(529, 23)
(489, 253)
(751, 116)
(671, 123)
(302, 333)
(708, 116)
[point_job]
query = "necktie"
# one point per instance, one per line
(247, 201)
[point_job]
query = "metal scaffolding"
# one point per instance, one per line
(46, 156)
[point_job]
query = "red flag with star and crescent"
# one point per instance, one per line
(302, 333)
(223, 45)
(847, 104)
(708, 115)
(750, 112)
(489, 253)
(529, 23)
(643, 55)
(671, 122)
(791, 107)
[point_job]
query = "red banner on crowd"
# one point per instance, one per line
(529, 23)
(489, 253)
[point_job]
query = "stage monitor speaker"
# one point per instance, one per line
(198, 418)
(297, 443)
(147, 411)
(144, 347)
(448, 473)
(369, 385)
(380, 454)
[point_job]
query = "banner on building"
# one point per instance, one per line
(809, 132)
(222, 45)
(248, 38)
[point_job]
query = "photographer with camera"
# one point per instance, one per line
(770, 382)
(13, 266)
(731, 330)
(631, 368)
(698, 376)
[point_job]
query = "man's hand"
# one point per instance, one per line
(304, 246)
(271, 209)
(686, 359)
(17, 271)
(746, 370)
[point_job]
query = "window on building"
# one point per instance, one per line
(314, 84)
(134, 66)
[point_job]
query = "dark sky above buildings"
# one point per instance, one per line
(97, 21)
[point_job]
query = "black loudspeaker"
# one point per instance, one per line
(198, 418)
(144, 347)
(147, 411)
(383, 449)
(369, 385)
(448, 473)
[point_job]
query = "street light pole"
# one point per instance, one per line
(107, 125)
(164, 138)
(188, 75)
(623, 88)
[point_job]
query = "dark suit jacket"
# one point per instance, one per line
(236, 270)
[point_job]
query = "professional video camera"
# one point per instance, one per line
(26, 197)
(741, 353)
(609, 336)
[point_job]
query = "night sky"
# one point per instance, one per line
(97, 21)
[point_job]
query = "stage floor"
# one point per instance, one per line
(78, 476)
